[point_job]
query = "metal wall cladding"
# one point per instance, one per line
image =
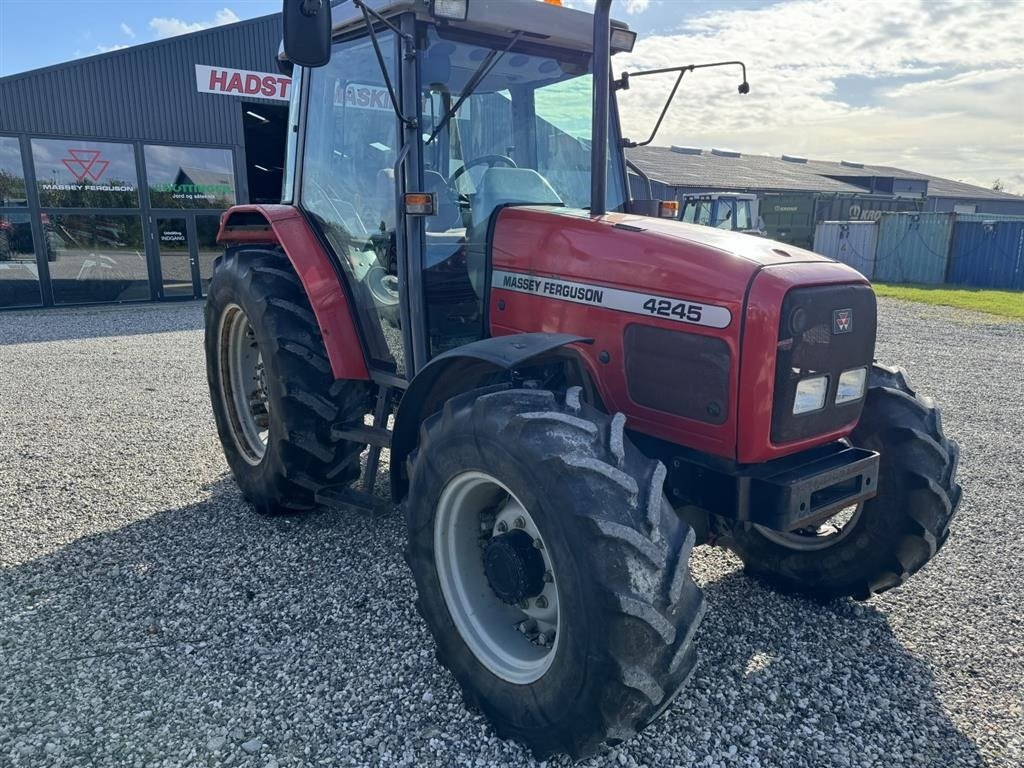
(913, 247)
(851, 242)
(988, 253)
(144, 92)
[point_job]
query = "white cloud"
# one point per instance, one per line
(127, 30)
(962, 117)
(169, 27)
(109, 48)
(637, 6)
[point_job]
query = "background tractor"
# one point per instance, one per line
(573, 390)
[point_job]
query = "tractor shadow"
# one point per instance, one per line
(788, 681)
(152, 641)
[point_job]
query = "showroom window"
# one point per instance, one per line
(12, 175)
(189, 177)
(19, 273)
(96, 257)
(80, 173)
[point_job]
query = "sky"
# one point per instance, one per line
(933, 86)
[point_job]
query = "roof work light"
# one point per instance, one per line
(456, 10)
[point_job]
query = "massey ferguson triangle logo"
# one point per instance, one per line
(85, 164)
(842, 321)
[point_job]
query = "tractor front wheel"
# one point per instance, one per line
(551, 570)
(879, 544)
(275, 400)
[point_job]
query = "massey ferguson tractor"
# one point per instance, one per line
(573, 387)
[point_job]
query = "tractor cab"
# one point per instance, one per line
(424, 120)
(734, 212)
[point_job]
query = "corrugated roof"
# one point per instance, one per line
(698, 169)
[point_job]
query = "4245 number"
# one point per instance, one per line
(680, 310)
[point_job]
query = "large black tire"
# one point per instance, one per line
(897, 531)
(306, 404)
(620, 554)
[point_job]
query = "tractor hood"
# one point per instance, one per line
(650, 256)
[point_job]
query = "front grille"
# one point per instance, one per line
(677, 372)
(812, 343)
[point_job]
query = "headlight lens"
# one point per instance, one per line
(810, 395)
(851, 385)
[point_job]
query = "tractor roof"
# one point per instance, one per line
(540, 22)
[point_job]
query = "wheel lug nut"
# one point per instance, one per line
(519, 522)
(502, 526)
(548, 577)
(538, 544)
(542, 602)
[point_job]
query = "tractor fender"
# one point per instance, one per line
(456, 371)
(284, 226)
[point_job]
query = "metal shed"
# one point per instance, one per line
(851, 242)
(988, 254)
(913, 247)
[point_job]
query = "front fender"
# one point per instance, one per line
(459, 370)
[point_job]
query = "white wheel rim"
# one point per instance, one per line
(515, 643)
(243, 384)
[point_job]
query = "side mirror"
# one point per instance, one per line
(307, 32)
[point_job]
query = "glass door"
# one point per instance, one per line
(207, 248)
(177, 264)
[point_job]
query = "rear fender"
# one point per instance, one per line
(285, 226)
(482, 363)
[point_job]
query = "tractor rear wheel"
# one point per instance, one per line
(551, 569)
(275, 400)
(879, 544)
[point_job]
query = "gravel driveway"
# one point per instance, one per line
(149, 618)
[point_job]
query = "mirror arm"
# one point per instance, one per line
(408, 122)
(623, 84)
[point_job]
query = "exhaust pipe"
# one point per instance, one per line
(599, 125)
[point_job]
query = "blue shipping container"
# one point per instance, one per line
(851, 242)
(913, 247)
(988, 254)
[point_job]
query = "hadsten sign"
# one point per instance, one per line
(242, 82)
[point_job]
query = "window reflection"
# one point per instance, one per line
(189, 177)
(19, 275)
(12, 174)
(96, 258)
(79, 173)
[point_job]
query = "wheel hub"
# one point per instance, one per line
(514, 567)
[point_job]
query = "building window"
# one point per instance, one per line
(79, 173)
(12, 174)
(19, 275)
(96, 257)
(189, 177)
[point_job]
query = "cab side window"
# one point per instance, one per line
(348, 183)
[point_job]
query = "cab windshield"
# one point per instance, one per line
(528, 111)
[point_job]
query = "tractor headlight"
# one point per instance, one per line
(851, 385)
(457, 10)
(810, 395)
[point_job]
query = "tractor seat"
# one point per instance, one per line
(499, 187)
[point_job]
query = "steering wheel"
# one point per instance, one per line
(489, 160)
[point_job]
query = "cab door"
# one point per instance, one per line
(347, 187)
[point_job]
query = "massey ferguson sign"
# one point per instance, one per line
(242, 82)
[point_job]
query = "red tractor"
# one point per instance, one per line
(573, 389)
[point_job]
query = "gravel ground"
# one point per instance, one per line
(148, 617)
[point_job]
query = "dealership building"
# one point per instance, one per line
(114, 169)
